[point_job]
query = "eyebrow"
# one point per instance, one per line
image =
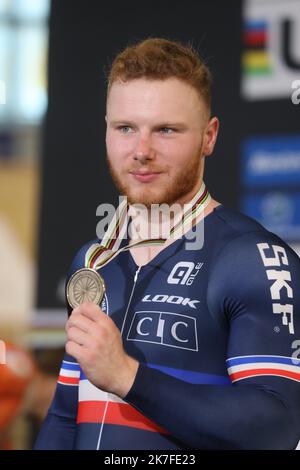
(115, 123)
(162, 124)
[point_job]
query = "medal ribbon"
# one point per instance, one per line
(99, 254)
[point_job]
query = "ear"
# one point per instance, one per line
(106, 118)
(210, 136)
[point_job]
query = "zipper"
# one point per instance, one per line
(130, 298)
(124, 321)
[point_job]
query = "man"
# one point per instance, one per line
(192, 348)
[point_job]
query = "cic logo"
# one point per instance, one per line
(164, 328)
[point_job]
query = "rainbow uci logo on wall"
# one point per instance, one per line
(256, 59)
(271, 48)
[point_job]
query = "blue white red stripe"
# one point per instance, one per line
(97, 406)
(244, 367)
(69, 373)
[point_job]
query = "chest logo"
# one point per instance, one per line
(164, 328)
(171, 299)
(184, 273)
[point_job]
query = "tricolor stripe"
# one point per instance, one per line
(69, 373)
(120, 414)
(96, 406)
(245, 367)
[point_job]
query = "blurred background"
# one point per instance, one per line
(53, 61)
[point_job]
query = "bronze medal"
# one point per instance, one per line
(85, 285)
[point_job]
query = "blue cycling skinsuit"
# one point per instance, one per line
(217, 334)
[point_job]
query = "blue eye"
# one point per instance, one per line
(166, 130)
(125, 129)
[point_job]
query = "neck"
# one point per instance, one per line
(159, 220)
(187, 198)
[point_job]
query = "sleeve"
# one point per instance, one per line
(253, 290)
(59, 428)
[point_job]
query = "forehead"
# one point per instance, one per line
(167, 97)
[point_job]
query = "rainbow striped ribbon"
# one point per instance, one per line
(99, 254)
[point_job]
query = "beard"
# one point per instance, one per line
(174, 190)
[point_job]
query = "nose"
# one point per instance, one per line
(143, 150)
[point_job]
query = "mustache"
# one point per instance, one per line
(140, 166)
(145, 169)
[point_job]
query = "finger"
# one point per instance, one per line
(80, 321)
(74, 350)
(91, 311)
(78, 336)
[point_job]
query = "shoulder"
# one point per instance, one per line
(236, 223)
(249, 260)
(252, 273)
(238, 233)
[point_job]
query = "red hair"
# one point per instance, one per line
(159, 59)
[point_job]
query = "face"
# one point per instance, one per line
(158, 133)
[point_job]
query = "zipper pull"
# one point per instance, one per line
(137, 273)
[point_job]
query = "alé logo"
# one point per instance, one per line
(184, 273)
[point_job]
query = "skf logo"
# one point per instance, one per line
(280, 278)
(171, 299)
(164, 328)
(184, 273)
